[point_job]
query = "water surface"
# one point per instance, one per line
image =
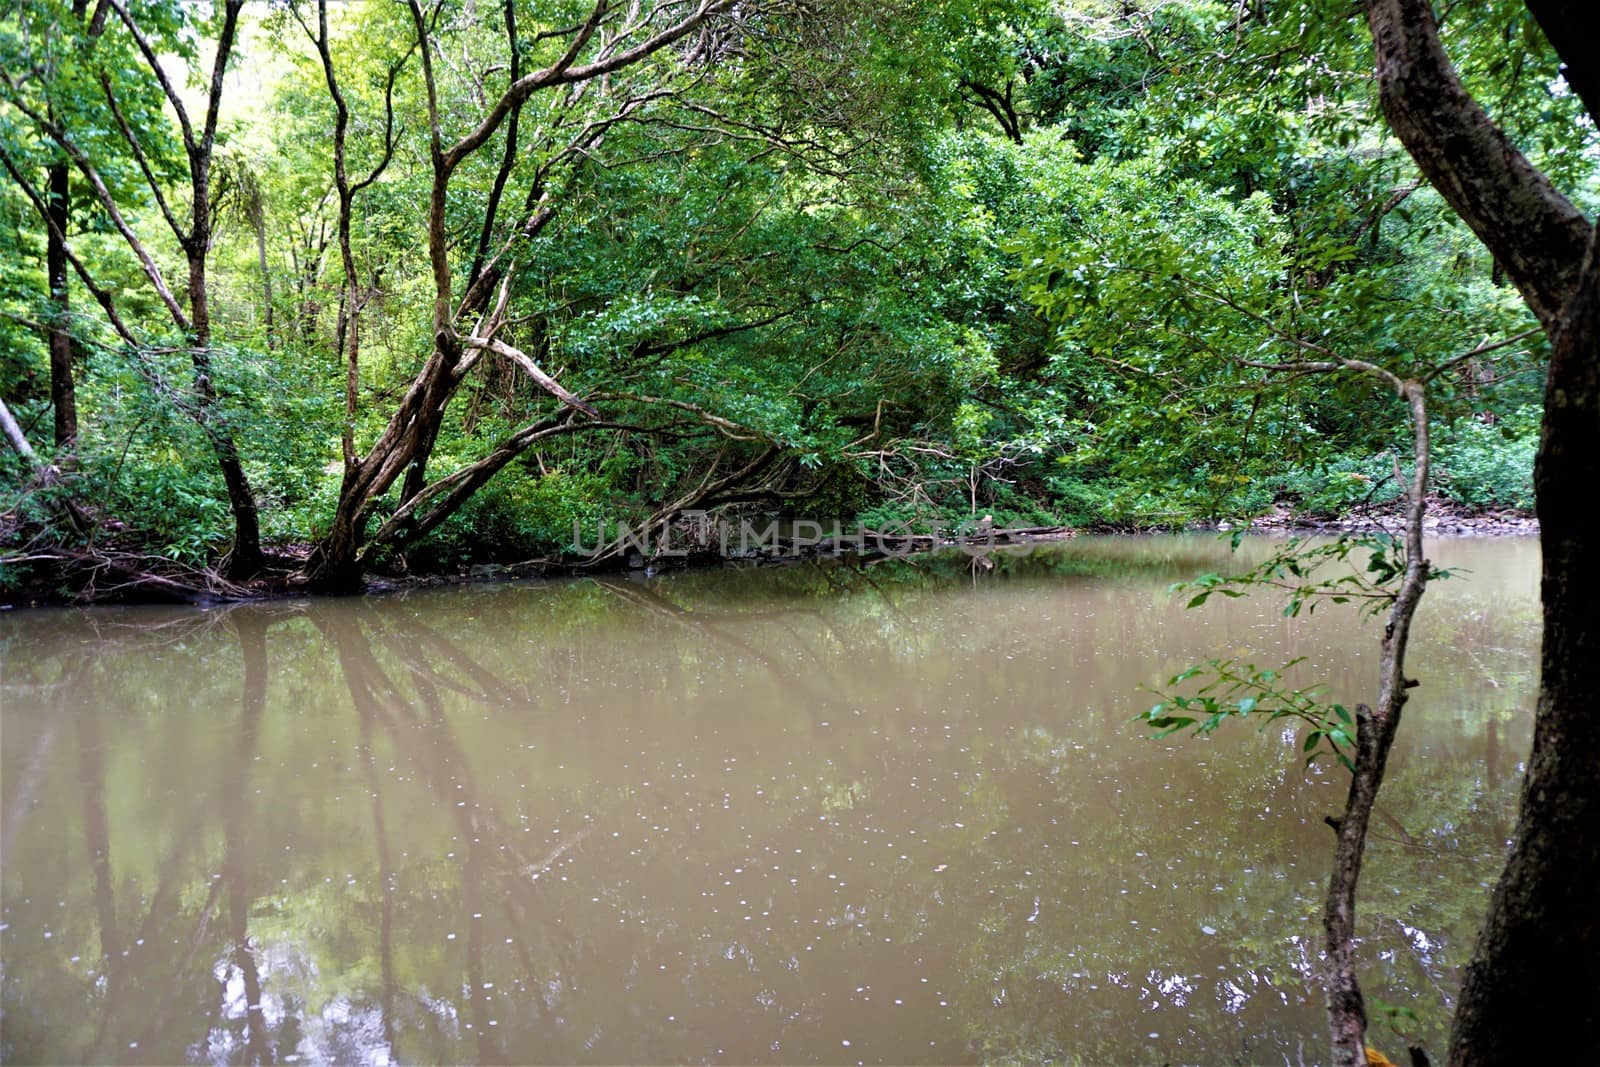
(814, 814)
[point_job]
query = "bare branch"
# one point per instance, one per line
(142, 159)
(1392, 201)
(1481, 350)
(14, 434)
(100, 293)
(201, 154)
(727, 427)
(563, 71)
(532, 369)
(1360, 366)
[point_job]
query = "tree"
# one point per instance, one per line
(1216, 293)
(63, 395)
(1528, 992)
(66, 133)
(469, 315)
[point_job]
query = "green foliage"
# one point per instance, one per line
(153, 466)
(1341, 484)
(1360, 570)
(940, 260)
(1085, 502)
(1490, 464)
(1234, 689)
(519, 516)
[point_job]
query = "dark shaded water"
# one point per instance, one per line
(810, 814)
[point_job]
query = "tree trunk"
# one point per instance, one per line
(244, 559)
(1534, 232)
(18, 440)
(63, 394)
(63, 350)
(416, 479)
(333, 567)
(405, 445)
(1375, 732)
(1529, 993)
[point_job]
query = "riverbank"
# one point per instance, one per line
(61, 578)
(1443, 518)
(85, 578)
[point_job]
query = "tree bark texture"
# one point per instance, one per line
(1530, 991)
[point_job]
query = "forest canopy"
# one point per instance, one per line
(337, 288)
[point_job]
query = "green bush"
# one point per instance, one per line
(1112, 501)
(519, 515)
(1082, 503)
(161, 492)
(888, 517)
(1341, 484)
(1479, 465)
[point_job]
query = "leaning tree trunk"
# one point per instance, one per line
(334, 568)
(592, 54)
(335, 565)
(1530, 990)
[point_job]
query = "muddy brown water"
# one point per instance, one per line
(812, 814)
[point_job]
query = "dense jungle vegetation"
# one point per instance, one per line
(296, 292)
(425, 285)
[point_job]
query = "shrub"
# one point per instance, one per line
(1479, 465)
(1341, 484)
(517, 516)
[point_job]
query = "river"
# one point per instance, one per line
(808, 814)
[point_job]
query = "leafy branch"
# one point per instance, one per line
(1234, 689)
(1313, 572)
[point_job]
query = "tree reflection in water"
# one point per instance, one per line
(747, 817)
